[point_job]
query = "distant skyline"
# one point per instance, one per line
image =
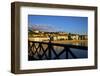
(70, 24)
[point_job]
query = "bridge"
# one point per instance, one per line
(45, 50)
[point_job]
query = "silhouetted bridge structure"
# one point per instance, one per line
(45, 50)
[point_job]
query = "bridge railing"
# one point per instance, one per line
(38, 50)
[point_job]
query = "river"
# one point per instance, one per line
(77, 52)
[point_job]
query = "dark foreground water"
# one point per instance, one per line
(77, 52)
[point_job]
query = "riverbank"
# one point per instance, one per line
(73, 42)
(69, 41)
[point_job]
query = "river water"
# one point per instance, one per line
(77, 52)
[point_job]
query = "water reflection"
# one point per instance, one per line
(78, 52)
(85, 43)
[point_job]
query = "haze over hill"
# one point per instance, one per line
(48, 28)
(45, 28)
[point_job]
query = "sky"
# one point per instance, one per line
(69, 24)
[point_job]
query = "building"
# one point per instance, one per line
(74, 37)
(36, 31)
(83, 37)
(62, 37)
(54, 36)
(39, 38)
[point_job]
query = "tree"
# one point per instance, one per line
(69, 36)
